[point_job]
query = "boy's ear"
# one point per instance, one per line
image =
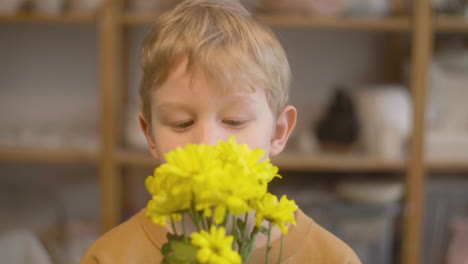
(146, 128)
(283, 128)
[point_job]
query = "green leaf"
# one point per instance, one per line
(248, 248)
(240, 224)
(167, 247)
(177, 251)
(263, 230)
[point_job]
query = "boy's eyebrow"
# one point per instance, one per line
(173, 105)
(241, 99)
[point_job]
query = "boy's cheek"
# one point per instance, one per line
(256, 138)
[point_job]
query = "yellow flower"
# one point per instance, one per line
(166, 201)
(172, 186)
(215, 247)
(226, 177)
(276, 212)
(192, 162)
(245, 177)
(246, 160)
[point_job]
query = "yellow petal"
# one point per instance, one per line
(219, 214)
(204, 255)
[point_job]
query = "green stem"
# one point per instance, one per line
(281, 248)
(268, 244)
(243, 233)
(246, 218)
(173, 225)
(203, 220)
(210, 220)
(184, 227)
(234, 231)
(247, 251)
(226, 217)
(194, 217)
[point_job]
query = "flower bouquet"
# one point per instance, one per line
(217, 189)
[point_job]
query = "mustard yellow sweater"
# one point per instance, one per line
(138, 240)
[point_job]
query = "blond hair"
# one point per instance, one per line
(222, 39)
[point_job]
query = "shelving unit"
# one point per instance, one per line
(294, 21)
(67, 18)
(113, 24)
(447, 24)
(294, 162)
(47, 156)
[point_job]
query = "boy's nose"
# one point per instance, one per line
(208, 134)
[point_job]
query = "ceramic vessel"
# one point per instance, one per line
(89, 6)
(10, 7)
(318, 7)
(152, 6)
(48, 7)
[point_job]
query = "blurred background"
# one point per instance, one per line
(379, 156)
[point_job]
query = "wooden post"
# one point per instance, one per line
(109, 47)
(421, 51)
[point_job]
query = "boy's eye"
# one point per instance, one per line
(234, 123)
(184, 124)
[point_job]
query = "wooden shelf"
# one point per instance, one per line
(297, 21)
(447, 166)
(318, 162)
(293, 162)
(138, 19)
(339, 23)
(135, 158)
(336, 163)
(451, 24)
(35, 18)
(47, 156)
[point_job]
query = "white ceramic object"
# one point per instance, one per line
(369, 7)
(152, 6)
(385, 117)
(48, 7)
(371, 192)
(10, 7)
(449, 5)
(84, 6)
(453, 60)
(447, 132)
(448, 94)
(319, 7)
(439, 4)
(446, 146)
(306, 142)
(331, 7)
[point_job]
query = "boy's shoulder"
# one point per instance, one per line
(127, 243)
(332, 249)
(308, 242)
(322, 245)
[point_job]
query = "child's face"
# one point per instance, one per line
(195, 109)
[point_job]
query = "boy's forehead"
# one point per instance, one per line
(179, 68)
(184, 88)
(192, 75)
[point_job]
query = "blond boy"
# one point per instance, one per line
(209, 71)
